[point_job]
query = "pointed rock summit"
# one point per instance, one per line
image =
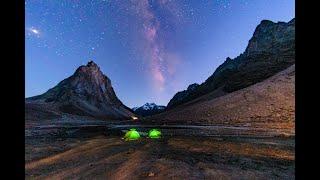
(87, 92)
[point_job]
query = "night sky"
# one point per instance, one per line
(150, 49)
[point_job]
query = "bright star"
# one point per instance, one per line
(34, 31)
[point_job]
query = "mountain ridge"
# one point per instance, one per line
(270, 50)
(268, 105)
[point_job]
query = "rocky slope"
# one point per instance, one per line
(270, 50)
(148, 109)
(269, 104)
(88, 92)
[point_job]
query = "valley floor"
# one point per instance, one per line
(174, 157)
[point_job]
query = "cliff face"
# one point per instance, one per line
(270, 50)
(87, 92)
(272, 38)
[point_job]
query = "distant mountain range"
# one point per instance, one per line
(88, 92)
(270, 50)
(148, 109)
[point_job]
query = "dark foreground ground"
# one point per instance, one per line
(101, 156)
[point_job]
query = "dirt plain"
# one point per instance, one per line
(175, 157)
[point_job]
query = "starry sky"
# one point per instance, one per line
(150, 49)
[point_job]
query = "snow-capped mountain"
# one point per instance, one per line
(148, 109)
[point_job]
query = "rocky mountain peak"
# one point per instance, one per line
(271, 37)
(87, 90)
(92, 64)
(90, 68)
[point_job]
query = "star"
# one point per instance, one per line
(35, 31)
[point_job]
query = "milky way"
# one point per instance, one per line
(156, 22)
(151, 28)
(150, 49)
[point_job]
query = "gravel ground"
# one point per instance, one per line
(174, 157)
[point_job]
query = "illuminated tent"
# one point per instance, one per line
(154, 133)
(132, 134)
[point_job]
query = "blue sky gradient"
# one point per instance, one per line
(150, 49)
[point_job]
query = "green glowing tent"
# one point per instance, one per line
(132, 134)
(154, 134)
